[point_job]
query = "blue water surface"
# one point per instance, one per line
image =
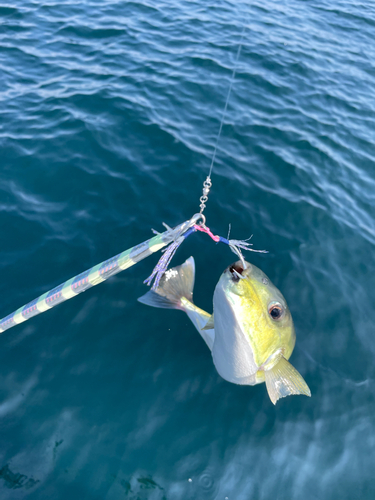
(109, 112)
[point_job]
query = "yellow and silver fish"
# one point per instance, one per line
(250, 333)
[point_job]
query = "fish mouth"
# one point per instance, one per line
(236, 270)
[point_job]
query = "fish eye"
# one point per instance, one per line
(276, 311)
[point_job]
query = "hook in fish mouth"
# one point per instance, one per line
(236, 271)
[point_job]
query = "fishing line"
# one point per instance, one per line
(207, 184)
(172, 237)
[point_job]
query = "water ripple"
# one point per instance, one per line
(109, 116)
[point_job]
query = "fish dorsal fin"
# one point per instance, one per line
(210, 323)
(284, 380)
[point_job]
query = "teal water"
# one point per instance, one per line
(109, 113)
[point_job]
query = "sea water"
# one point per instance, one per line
(109, 113)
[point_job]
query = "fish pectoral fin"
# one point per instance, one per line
(284, 380)
(210, 323)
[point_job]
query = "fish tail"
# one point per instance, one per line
(176, 283)
(284, 380)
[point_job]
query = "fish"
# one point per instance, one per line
(250, 333)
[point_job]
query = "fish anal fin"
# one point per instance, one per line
(284, 380)
(210, 323)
